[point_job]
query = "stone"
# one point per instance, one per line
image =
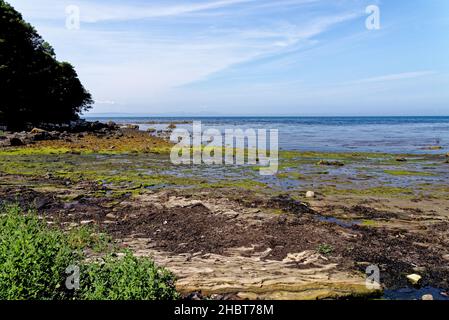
(330, 163)
(310, 194)
(111, 216)
(401, 160)
(37, 130)
(15, 142)
(41, 203)
(112, 125)
(132, 127)
(86, 222)
(427, 297)
(414, 278)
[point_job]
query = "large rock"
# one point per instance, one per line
(288, 204)
(15, 142)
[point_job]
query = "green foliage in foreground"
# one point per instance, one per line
(129, 278)
(34, 258)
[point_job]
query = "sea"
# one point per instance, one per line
(408, 135)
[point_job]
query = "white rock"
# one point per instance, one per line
(427, 297)
(111, 216)
(310, 194)
(414, 278)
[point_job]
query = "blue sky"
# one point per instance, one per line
(254, 57)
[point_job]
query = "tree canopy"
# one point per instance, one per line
(34, 87)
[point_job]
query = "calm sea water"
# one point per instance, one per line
(336, 134)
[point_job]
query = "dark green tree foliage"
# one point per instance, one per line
(34, 87)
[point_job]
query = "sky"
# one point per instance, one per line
(253, 57)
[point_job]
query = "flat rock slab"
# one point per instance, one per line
(303, 276)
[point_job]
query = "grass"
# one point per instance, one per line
(34, 258)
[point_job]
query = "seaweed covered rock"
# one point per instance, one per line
(288, 204)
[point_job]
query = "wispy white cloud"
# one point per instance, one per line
(394, 77)
(93, 12)
(131, 62)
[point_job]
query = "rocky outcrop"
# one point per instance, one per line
(69, 131)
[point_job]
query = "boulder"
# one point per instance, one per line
(112, 125)
(4, 143)
(15, 142)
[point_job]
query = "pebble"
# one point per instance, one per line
(427, 297)
(310, 194)
(111, 216)
(414, 278)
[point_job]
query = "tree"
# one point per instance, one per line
(34, 87)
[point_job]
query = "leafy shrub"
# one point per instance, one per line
(325, 249)
(89, 237)
(128, 278)
(34, 257)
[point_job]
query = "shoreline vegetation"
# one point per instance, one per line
(227, 232)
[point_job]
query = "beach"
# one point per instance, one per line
(226, 232)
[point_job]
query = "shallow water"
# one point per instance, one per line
(336, 134)
(414, 294)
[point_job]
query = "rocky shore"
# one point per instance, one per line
(226, 232)
(67, 132)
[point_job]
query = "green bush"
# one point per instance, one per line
(34, 257)
(127, 278)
